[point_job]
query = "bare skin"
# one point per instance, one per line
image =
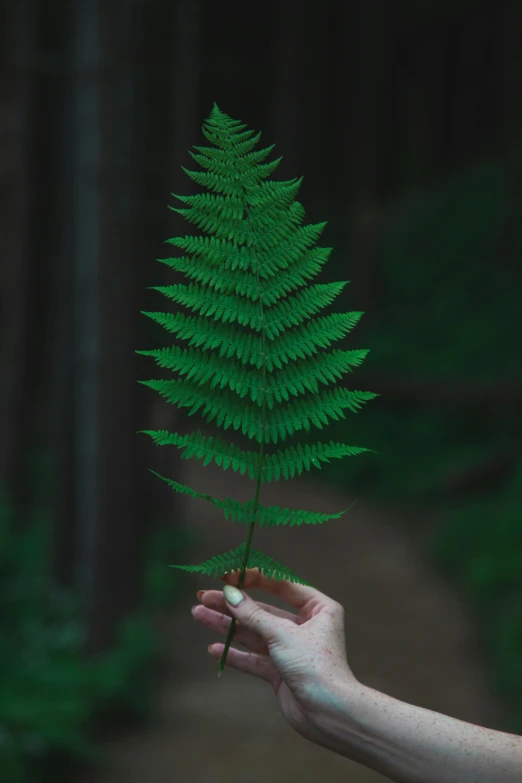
(301, 655)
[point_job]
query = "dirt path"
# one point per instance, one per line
(407, 635)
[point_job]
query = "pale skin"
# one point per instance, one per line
(303, 658)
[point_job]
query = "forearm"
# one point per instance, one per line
(411, 744)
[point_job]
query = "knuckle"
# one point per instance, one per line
(224, 622)
(250, 614)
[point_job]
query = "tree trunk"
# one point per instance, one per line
(362, 167)
(86, 215)
(102, 286)
(185, 88)
(115, 540)
(63, 151)
(287, 78)
(508, 31)
(19, 310)
(470, 95)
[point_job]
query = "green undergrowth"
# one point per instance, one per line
(451, 302)
(51, 696)
(450, 262)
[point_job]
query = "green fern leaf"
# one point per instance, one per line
(257, 356)
(281, 464)
(267, 516)
(233, 560)
(291, 380)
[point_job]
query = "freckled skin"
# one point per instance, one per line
(293, 660)
(303, 657)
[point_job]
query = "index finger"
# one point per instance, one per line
(292, 593)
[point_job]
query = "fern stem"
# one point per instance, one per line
(232, 628)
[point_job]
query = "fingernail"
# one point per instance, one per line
(232, 595)
(200, 593)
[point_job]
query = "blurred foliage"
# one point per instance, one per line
(452, 298)
(450, 287)
(50, 694)
(456, 324)
(480, 549)
(453, 322)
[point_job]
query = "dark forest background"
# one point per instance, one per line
(405, 119)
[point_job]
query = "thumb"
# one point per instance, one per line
(251, 615)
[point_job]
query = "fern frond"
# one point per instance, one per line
(286, 419)
(282, 464)
(257, 356)
(244, 283)
(266, 516)
(292, 380)
(229, 308)
(231, 561)
(301, 343)
(232, 256)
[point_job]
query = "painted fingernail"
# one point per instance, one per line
(200, 593)
(233, 595)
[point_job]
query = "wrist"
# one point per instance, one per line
(411, 744)
(341, 720)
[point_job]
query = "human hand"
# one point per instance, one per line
(302, 656)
